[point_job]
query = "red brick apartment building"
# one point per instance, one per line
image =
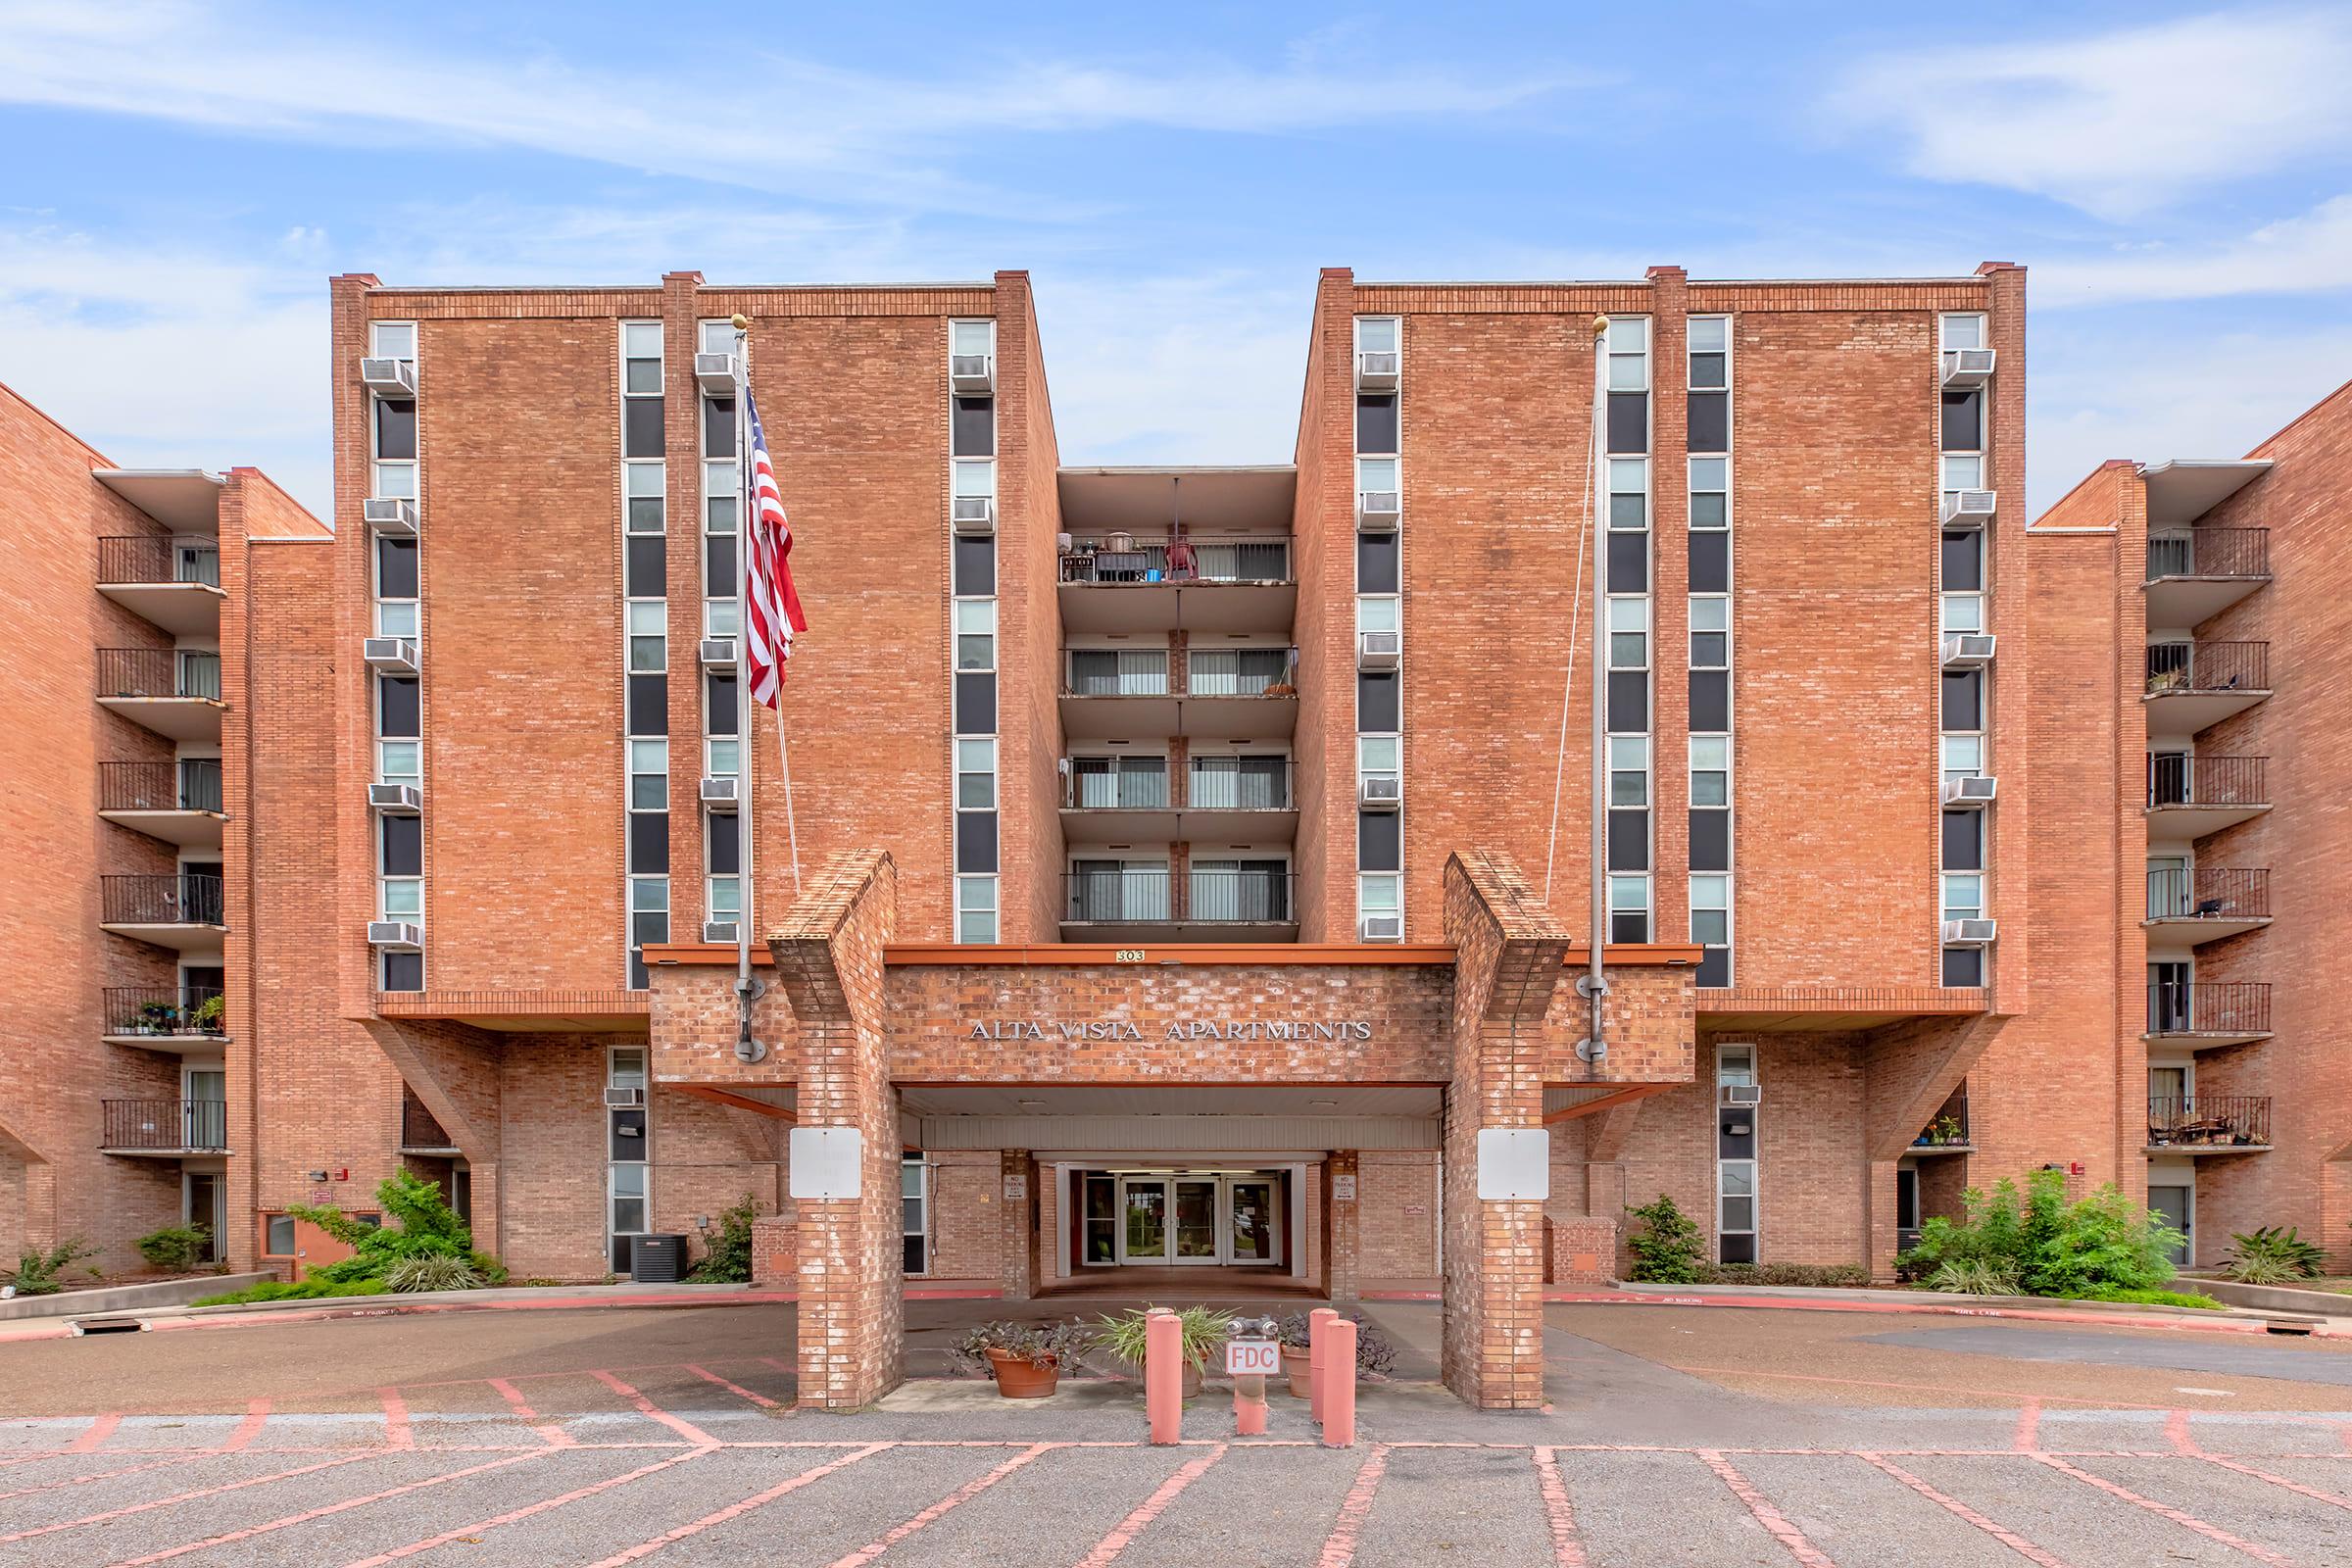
(1179, 894)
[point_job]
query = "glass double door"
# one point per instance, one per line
(1192, 1219)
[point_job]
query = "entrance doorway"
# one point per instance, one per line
(1182, 1217)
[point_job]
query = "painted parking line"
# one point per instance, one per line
(2186, 1521)
(952, 1500)
(257, 1416)
(1961, 1510)
(736, 1510)
(708, 1376)
(188, 1496)
(550, 1431)
(1559, 1516)
(104, 1475)
(528, 1510)
(398, 1432)
(1770, 1517)
(2295, 1487)
(1123, 1533)
(1338, 1547)
(645, 1406)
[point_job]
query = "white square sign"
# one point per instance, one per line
(827, 1161)
(1514, 1164)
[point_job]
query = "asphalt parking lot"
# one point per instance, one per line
(1676, 1436)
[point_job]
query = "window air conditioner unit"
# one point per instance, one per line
(1382, 929)
(1968, 509)
(386, 515)
(972, 376)
(1969, 791)
(1380, 792)
(715, 373)
(722, 793)
(396, 936)
(1378, 650)
(721, 931)
(393, 379)
(1966, 650)
(719, 653)
(1741, 1093)
(623, 1098)
(1376, 370)
(1966, 367)
(1376, 511)
(396, 799)
(976, 515)
(396, 654)
(1967, 933)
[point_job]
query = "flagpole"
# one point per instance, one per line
(745, 751)
(792, 834)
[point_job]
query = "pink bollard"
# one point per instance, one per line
(1163, 1375)
(1318, 1324)
(1339, 1399)
(1250, 1406)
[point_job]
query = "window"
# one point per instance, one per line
(396, 607)
(975, 477)
(1629, 770)
(397, 708)
(649, 775)
(976, 774)
(1629, 353)
(1376, 476)
(1378, 703)
(1237, 671)
(277, 1235)
(972, 337)
(401, 897)
(1118, 673)
(1378, 614)
(649, 636)
(1710, 493)
(1376, 563)
(1964, 700)
(1963, 894)
(1629, 909)
(1710, 631)
(649, 914)
(392, 422)
(975, 634)
(402, 971)
(1381, 892)
(1710, 770)
(1377, 755)
(393, 341)
(1711, 925)
(1129, 783)
(715, 337)
(1964, 966)
(722, 898)
(1376, 422)
(1962, 331)
(914, 1224)
(1963, 757)
(1963, 841)
(399, 762)
(1376, 334)
(1961, 565)
(1735, 1066)
(976, 908)
(1629, 634)
(1629, 494)
(641, 399)
(1709, 404)
(644, 490)
(974, 566)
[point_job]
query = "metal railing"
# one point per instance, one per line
(145, 557)
(1120, 672)
(1239, 784)
(2209, 553)
(1094, 784)
(165, 1011)
(2175, 779)
(2208, 667)
(2227, 1120)
(2207, 893)
(1125, 558)
(170, 898)
(1948, 1129)
(165, 1124)
(158, 672)
(2209, 1007)
(191, 784)
(1206, 896)
(419, 1127)
(1240, 671)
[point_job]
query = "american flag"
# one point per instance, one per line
(771, 606)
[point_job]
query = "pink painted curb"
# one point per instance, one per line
(2205, 1323)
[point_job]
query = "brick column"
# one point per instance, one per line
(1344, 1256)
(829, 955)
(1017, 1217)
(1909, 1069)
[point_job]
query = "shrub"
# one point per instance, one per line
(1975, 1276)
(431, 1271)
(2264, 1271)
(175, 1247)
(2043, 1245)
(281, 1290)
(1827, 1276)
(1374, 1354)
(37, 1271)
(1667, 1252)
(2116, 1293)
(729, 1258)
(2281, 1254)
(428, 1227)
(1204, 1328)
(1055, 1343)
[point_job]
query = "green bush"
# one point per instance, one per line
(37, 1271)
(428, 1227)
(728, 1259)
(1825, 1276)
(2280, 1256)
(174, 1246)
(1667, 1252)
(2043, 1245)
(431, 1271)
(2114, 1293)
(281, 1290)
(1974, 1276)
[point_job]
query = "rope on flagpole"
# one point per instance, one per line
(745, 988)
(792, 833)
(1576, 616)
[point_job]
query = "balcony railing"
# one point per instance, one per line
(2208, 667)
(2209, 553)
(1949, 1129)
(1206, 896)
(158, 672)
(2209, 1007)
(2209, 893)
(165, 1125)
(1240, 671)
(1239, 784)
(1123, 672)
(419, 1127)
(2210, 1120)
(2178, 780)
(165, 1011)
(149, 559)
(1100, 787)
(191, 784)
(1124, 559)
(168, 899)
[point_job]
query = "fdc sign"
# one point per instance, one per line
(1252, 1359)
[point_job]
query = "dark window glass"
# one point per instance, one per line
(649, 843)
(973, 429)
(1379, 841)
(1964, 420)
(1715, 967)
(975, 840)
(718, 704)
(648, 567)
(404, 971)
(975, 704)
(628, 1135)
(1376, 424)
(1628, 422)
(1628, 925)
(1963, 561)
(718, 427)
(1710, 563)
(1628, 511)
(648, 704)
(395, 427)
(1629, 564)
(1963, 700)
(976, 566)
(1964, 966)
(404, 846)
(1735, 1133)
(641, 428)
(1377, 709)
(1710, 841)
(720, 576)
(1963, 841)
(1708, 510)
(1710, 422)
(396, 569)
(1710, 702)
(1710, 650)
(1739, 1246)
(1376, 569)
(648, 514)
(722, 838)
(397, 708)
(1629, 841)
(1706, 370)
(1629, 701)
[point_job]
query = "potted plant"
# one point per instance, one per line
(157, 1017)
(1202, 1330)
(1374, 1354)
(208, 1015)
(1025, 1359)
(1948, 1130)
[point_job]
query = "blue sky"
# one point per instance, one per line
(181, 177)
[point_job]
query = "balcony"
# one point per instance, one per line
(2202, 1014)
(173, 692)
(1949, 1133)
(164, 1127)
(178, 802)
(2191, 686)
(183, 911)
(173, 585)
(2189, 797)
(1225, 800)
(2209, 1124)
(1150, 904)
(2206, 903)
(1120, 582)
(421, 1132)
(1230, 694)
(2195, 573)
(174, 1018)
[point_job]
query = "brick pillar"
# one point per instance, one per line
(1878, 1213)
(1344, 1256)
(1909, 1069)
(1018, 1218)
(829, 955)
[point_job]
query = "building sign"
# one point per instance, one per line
(1252, 1359)
(1043, 1030)
(1016, 1189)
(1343, 1189)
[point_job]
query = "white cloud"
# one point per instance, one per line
(2121, 122)
(2307, 254)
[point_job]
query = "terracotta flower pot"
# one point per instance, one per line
(1299, 1366)
(1192, 1379)
(1018, 1378)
